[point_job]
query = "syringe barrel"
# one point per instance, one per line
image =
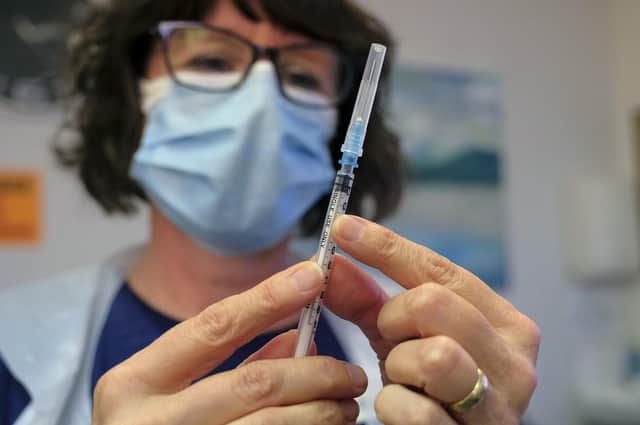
(364, 102)
(352, 149)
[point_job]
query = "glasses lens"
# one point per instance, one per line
(313, 75)
(207, 59)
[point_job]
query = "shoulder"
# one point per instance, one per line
(47, 327)
(64, 291)
(32, 298)
(35, 316)
(56, 306)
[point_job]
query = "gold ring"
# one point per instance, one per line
(474, 397)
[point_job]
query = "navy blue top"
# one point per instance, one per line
(130, 326)
(13, 397)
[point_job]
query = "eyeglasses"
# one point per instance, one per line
(217, 60)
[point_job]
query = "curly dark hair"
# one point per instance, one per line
(109, 54)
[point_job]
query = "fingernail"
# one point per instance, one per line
(307, 278)
(358, 377)
(350, 410)
(350, 228)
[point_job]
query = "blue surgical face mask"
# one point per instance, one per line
(235, 171)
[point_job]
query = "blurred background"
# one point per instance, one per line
(522, 122)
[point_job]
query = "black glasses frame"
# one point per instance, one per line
(165, 30)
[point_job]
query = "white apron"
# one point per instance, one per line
(49, 331)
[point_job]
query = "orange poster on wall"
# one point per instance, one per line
(20, 207)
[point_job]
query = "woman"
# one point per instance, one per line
(228, 118)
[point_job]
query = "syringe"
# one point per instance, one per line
(351, 151)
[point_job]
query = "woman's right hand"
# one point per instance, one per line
(158, 384)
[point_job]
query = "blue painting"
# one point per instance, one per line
(451, 125)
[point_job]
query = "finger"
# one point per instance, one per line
(397, 405)
(492, 409)
(431, 310)
(269, 383)
(439, 366)
(279, 347)
(322, 412)
(194, 347)
(411, 264)
(354, 295)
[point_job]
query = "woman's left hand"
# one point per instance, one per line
(433, 338)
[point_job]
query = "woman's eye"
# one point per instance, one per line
(303, 81)
(210, 64)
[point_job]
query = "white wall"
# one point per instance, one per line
(625, 18)
(554, 58)
(75, 232)
(625, 23)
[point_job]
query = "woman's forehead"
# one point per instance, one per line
(251, 22)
